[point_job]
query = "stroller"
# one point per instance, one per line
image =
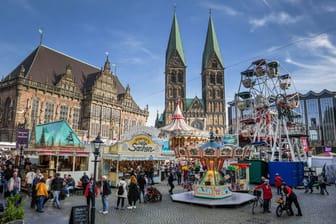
(152, 194)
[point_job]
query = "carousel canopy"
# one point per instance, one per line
(211, 145)
(178, 124)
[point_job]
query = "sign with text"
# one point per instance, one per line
(79, 215)
(22, 137)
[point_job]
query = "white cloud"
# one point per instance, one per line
(273, 18)
(329, 8)
(315, 68)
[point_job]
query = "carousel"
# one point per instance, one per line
(190, 143)
(213, 185)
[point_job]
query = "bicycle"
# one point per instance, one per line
(282, 206)
(257, 201)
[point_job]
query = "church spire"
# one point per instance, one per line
(175, 42)
(211, 45)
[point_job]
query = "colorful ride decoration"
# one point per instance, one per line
(212, 185)
(240, 176)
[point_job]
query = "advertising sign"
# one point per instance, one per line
(22, 136)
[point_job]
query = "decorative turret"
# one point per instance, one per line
(107, 66)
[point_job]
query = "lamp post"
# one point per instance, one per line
(96, 150)
(21, 145)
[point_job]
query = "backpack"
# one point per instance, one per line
(121, 190)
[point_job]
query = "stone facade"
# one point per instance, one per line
(50, 86)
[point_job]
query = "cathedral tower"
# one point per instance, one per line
(175, 72)
(213, 90)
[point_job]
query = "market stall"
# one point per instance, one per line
(139, 154)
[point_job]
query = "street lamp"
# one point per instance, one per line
(21, 145)
(96, 150)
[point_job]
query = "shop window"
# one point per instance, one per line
(81, 163)
(65, 163)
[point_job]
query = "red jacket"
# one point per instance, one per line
(86, 192)
(278, 181)
(267, 190)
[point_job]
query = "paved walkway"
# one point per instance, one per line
(316, 208)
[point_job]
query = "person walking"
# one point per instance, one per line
(34, 201)
(291, 197)
(56, 187)
(171, 182)
(142, 185)
(105, 191)
(277, 182)
(90, 192)
(133, 193)
(121, 193)
(29, 180)
(267, 194)
(85, 180)
(14, 184)
(322, 184)
(41, 193)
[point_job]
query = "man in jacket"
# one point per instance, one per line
(277, 182)
(56, 187)
(267, 194)
(291, 197)
(105, 191)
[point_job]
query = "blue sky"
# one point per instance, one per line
(300, 34)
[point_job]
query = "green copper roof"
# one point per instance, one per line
(189, 101)
(211, 45)
(175, 42)
(57, 133)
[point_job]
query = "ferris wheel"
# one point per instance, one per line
(268, 119)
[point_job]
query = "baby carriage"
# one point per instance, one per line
(152, 194)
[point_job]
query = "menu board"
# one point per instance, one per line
(79, 215)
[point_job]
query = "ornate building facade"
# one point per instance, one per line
(207, 113)
(49, 86)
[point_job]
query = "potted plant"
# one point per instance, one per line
(14, 211)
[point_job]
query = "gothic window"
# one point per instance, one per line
(180, 76)
(75, 118)
(125, 125)
(106, 113)
(48, 112)
(35, 108)
(133, 123)
(219, 78)
(64, 112)
(212, 78)
(115, 114)
(105, 130)
(95, 130)
(173, 76)
(8, 111)
(96, 111)
(174, 93)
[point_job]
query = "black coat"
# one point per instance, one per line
(133, 193)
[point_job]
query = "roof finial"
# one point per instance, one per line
(40, 30)
(210, 11)
(174, 7)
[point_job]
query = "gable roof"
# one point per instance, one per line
(189, 102)
(44, 65)
(57, 133)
